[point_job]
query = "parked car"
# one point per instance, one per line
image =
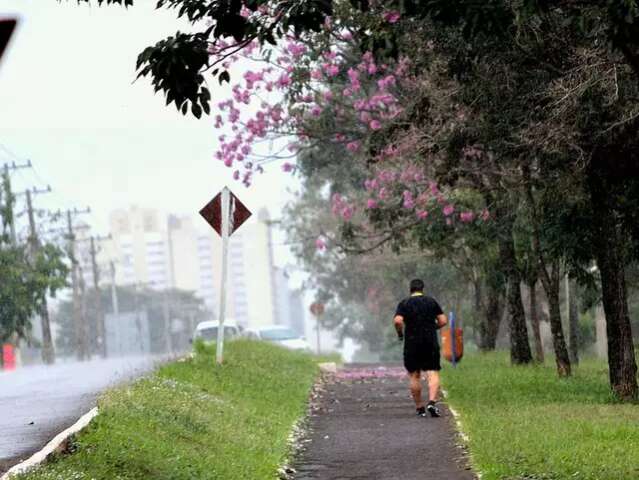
(279, 335)
(207, 331)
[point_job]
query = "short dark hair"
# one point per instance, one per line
(416, 285)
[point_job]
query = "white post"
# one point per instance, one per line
(227, 226)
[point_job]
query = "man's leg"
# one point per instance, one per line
(433, 385)
(433, 392)
(416, 388)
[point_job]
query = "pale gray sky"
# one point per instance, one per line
(67, 102)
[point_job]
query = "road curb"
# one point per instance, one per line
(460, 429)
(57, 444)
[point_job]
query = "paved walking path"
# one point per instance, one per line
(364, 427)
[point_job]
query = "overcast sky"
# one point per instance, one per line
(68, 103)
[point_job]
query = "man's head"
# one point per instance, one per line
(416, 286)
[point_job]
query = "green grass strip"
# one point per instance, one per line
(194, 420)
(525, 423)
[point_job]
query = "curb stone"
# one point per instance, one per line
(58, 444)
(465, 438)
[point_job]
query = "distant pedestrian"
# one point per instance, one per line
(417, 320)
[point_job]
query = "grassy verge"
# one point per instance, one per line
(525, 423)
(192, 420)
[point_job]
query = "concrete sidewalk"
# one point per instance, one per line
(364, 427)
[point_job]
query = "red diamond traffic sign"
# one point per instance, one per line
(7, 25)
(317, 309)
(212, 213)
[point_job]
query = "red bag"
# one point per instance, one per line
(447, 345)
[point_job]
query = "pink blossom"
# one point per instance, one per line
(245, 12)
(320, 244)
(466, 217)
(288, 167)
(371, 69)
(375, 125)
(409, 201)
(347, 213)
(371, 184)
(448, 210)
(328, 95)
(352, 146)
(391, 16)
(284, 80)
(386, 82)
(316, 74)
(236, 175)
(332, 70)
(371, 203)
(296, 49)
(316, 111)
(422, 214)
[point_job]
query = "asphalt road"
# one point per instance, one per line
(364, 427)
(36, 403)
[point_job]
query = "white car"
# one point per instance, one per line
(207, 331)
(279, 335)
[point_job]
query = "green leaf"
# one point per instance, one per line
(196, 110)
(224, 77)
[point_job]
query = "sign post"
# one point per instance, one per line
(317, 309)
(225, 213)
(226, 226)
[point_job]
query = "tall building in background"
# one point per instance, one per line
(251, 272)
(162, 252)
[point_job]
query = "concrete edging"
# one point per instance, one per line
(465, 438)
(53, 446)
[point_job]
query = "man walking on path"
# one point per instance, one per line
(417, 320)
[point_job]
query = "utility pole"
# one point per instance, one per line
(48, 351)
(79, 321)
(97, 295)
(114, 292)
(10, 200)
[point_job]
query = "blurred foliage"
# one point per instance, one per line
(26, 277)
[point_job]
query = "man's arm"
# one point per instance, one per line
(442, 321)
(398, 321)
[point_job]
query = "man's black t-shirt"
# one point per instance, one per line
(420, 318)
(421, 348)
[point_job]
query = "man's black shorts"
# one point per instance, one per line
(421, 356)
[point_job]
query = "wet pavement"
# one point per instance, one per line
(36, 403)
(364, 427)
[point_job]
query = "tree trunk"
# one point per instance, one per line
(519, 345)
(608, 243)
(562, 358)
(573, 322)
(534, 323)
(493, 315)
